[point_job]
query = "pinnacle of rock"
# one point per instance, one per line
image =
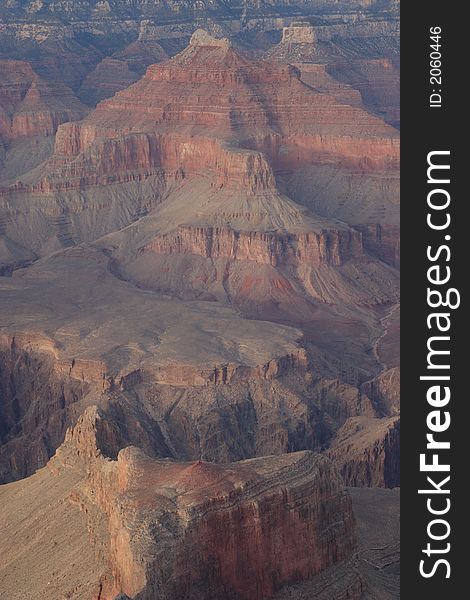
(202, 38)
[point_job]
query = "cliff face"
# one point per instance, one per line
(367, 453)
(275, 249)
(39, 396)
(377, 80)
(30, 106)
(203, 142)
(212, 111)
(203, 257)
(234, 98)
(196, 517)
(384, 241)
(216, 397)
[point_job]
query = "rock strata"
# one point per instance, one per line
(199, 515)
(367, 452)
(29, 106)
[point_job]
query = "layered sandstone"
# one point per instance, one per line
(71, 357)
(166, 527)
(242, 123)
(197, 515)
(219, 232)
(269, 248)
(377, 80)
(167, 239)
(29, 106)
(67, 40)
(247, 387)
(231, 98)
(109, 76)
(367, 452)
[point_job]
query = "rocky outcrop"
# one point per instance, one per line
(109, 76)
(242, 123)
(269, 248)
(377, 80)
(183, 379)
(298, 33)
(176, 387)
(383, 240)
(39, 396)
(367, 452)
(197, 519)
(67, 40)
(298, 44)
(232, 98)
(31, 107)
(384, 390)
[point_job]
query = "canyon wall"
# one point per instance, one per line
(198, 537)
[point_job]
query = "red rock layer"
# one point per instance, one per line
(171, 117)
(367, 452)
(378, 81)
(238, 531)
(331, 247)
(109, 76)
(29, 106)
(87, 157)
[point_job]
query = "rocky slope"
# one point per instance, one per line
(187, 379)
(366, 76)
(219, 231)
(168, 527)
(31, 107)
(73, 350)
(377, 513)
(234, 126)
(368, 453)
(208, 257)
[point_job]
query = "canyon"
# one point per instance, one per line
(199, 294)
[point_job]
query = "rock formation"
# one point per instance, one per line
(298, 33)
(368, 453)
(219, 229)
(377, 80)
(198, 297)
(245, 386)
(168, 527)
(31, 107)
(234, 125)
(109, 76)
